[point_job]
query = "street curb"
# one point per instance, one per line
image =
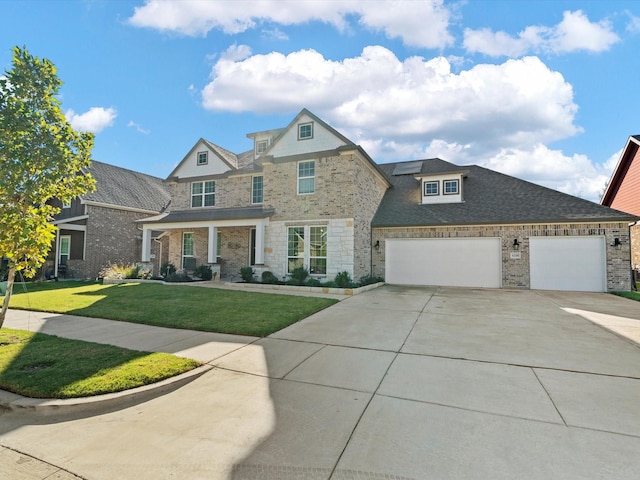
(13, 402)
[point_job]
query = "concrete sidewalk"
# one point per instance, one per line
(399, 382)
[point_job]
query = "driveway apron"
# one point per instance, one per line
(398, 382)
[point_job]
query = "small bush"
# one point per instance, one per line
(246, 273)
(123, 271)
(298, 276)
(312, 282)
(178, 278)
(167, 268)
(270, 278)
(203, 272)
(343, 280)
(370, 280)
(330, 284)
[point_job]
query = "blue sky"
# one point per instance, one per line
(542, 90)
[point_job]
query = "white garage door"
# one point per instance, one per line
(568, 263)
(459, 262)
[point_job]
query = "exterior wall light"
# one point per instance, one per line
(377, 245)
(516, 244)
(616, 243)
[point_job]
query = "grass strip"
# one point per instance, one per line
(45, 366)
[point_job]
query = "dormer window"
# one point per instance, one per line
(305, 131)
(431, 188)
(203, 158)
(261, 146)
(451, 187)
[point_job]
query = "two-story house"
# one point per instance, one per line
(303, 197)
(307, 196)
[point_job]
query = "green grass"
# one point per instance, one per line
(631, 295)
(44, 366)
(174, 306)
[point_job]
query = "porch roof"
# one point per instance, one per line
(209, 214)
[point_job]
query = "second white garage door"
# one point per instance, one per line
(459, 262)
(568, 263)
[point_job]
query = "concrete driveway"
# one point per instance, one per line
(396, 383)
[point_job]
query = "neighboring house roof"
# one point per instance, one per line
(121, 187)
(209, 214)
(623, 189)
(489, 197)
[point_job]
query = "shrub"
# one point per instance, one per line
(343, 280)
(167, 268)
(312, 282)
(123, 271)
(246, 273)
(178, 278)
(330, 284)
(369, 280)
(298, 276)
(203, 272)
(269, 277)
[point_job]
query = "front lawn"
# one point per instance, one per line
(171, 305)
(45, 366)
(631, 295)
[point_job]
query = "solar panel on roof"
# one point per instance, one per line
(409, 168)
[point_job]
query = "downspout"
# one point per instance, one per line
(633, 279)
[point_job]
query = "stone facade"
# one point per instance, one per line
(635, 247)
(516, 272)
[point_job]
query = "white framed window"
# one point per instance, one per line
(218, 245)
(203, 194)
(257, 189)
(203, 158)
(65, 249)
(307, 247)
(306, 177)
(261, 146)
(295, 248)
(66, 204)
(451, 187)
(188, 251)
(305, 131)
(431, 188)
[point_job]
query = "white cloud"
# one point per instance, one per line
(95, 120)
(634, 24)
(415, 100)
(138, 127)
(397, 19)
(574, 33)
(274, 34)
(576, 174)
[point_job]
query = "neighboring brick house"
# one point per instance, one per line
(307, 196)
(100, 227)
(623, 191)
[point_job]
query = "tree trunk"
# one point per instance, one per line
(7, 294)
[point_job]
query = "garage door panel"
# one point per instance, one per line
(568, 263)
(463, 262)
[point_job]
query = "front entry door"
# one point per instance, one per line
(252, 247)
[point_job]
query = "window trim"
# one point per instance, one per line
(431, 182)
(68, 253)
(452, 181)
(253, 196)
(259, 143)
(323, 230)
(306, 177)
(305, 255)
(193, 246)
(206, 158)
(300, 255)
(305, 124)
(66, 204)
(203, 194)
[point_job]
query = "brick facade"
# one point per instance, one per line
(516, 272)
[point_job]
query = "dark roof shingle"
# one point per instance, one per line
(489, 198)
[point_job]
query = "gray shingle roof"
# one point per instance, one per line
(125, 188)
(489, 198)
(210, 214)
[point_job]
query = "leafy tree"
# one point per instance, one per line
(41, 158)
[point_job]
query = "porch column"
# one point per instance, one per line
(146, 244)
(260, 243)
(55, 260)
(213, 245)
